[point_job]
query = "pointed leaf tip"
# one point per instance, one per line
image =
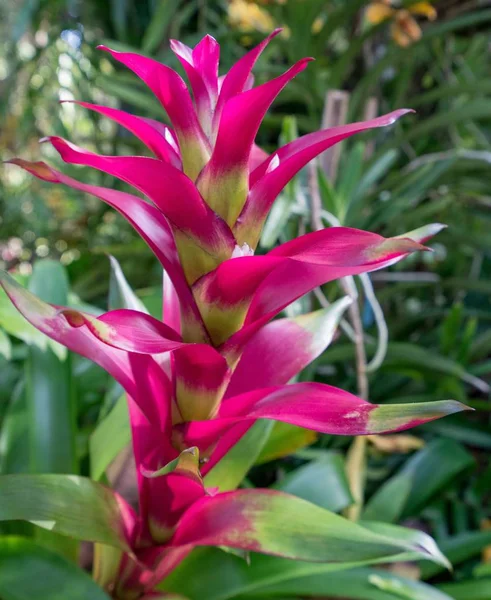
(38, 169)
(395, 246)
(424, 233)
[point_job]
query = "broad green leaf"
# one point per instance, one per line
(279, 524)
(422, 477)
(14, 432)
(50, 400)
(67, 504)
(477, 589)
(322, 482)
(357, 584)
(241, 580)
(49, 388)
(29, 571)
(412, 537)
(234, 466)
(110, 436)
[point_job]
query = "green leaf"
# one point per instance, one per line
(29, 571)
(110, 436)
(359, 584)
(229, 472)
(49, 388)
(14, 448)
(405, 354)
(157, 28)
(478, 589)
(265, 576)
(5, 345)
(457, 549)
(285, 439)
(424, 475)
(120, 293)
(50, 400)
(67, 504)
(322, 482)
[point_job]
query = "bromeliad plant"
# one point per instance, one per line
(198, 380)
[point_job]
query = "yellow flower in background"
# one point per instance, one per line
(248, 16)
(404, 29)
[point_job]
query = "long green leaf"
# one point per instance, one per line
(424, 475)
(49, 389)
(67, 504)
(359, 584)
(477, 589)
(111, 436)
(239, 579)
(30, 571)
(156, 31)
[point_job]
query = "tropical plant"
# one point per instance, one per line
(199, 381)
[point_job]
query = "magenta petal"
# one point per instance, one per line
(140, 375)
(168, 496)
(201, 375)
(236, 79)
(256, 158)
(282, 348)
(224, 181)
(128, 330)
(206, 56)
(201, 66)
(156, 136)
(268, 180)
(172, 92)
(269, 283)
(234, 140)
(172, 192)
(148, 221)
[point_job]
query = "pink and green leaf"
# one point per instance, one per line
(150, 223)
(315, 406)
(156, 136)
(275, 523)
(70, 505)
(269, 178)
(282, 348)
(244, 293)
(224, 182)
(203, 239)
(201, 67)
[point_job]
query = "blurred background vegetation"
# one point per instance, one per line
(432, 166)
